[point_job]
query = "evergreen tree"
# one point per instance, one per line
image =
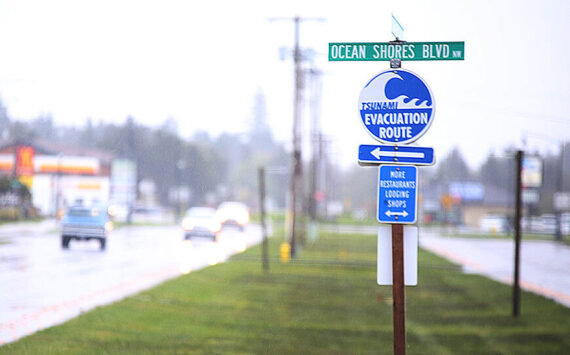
(4, 121)
(453, 168)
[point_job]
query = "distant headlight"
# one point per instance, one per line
(222, 215)
(187, 224)
(243, 218)
(215, 227)
(109, 226)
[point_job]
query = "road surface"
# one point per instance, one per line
(544, 264)
(43, 285)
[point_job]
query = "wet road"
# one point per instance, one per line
(545, 265)
(43, 285)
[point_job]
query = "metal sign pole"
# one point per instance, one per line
(398, 291)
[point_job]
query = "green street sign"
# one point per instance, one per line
(385, 51)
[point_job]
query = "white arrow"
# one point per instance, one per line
(390, 213)
(377, 153)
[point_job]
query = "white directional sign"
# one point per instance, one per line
(562, 201)
(397, 193)
(384, 264)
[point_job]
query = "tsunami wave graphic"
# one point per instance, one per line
(404, 88)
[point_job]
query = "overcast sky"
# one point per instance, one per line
(202, 63)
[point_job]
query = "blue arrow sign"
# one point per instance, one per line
(397, 193)
(391, 154)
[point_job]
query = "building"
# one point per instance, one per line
(464, 203)
(58, 175)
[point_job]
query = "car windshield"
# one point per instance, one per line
(79, 212)
(232, 206)
(83, 211)
(201, 212)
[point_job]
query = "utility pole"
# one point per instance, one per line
(322, 175)
(296, 184)
(15, 165)
(559, 188)
(518, 213)
(297, 173)
(264, 246)
(131, 154)
(315, 144)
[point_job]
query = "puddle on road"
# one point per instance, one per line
(13, 262)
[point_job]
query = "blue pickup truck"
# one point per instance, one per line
(86, 223)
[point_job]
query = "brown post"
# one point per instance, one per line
(516, 286)
(398, 293)
(264, 252)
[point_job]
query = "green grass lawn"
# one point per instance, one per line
(324, 302)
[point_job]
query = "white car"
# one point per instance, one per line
(565, 223)
(494, 224)
(201, 222)
(233, 213)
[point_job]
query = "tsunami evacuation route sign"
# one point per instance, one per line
(396, 106)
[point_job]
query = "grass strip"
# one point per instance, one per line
(324, 302)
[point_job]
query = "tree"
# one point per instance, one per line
(260, 136)
(170, 125)
(4, 121)
(21, 132)
(364, 193)
(167, 159)
(88, 134)
(43, 127)
(498, 172)
(453, 168)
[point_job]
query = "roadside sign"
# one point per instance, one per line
(24, 168)
(562, 201)
(384, 51)
(397, 194)
(382, 154)
(396, 106)
(123, 182)
(530, 197)
(384, 265)
(531, 171)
